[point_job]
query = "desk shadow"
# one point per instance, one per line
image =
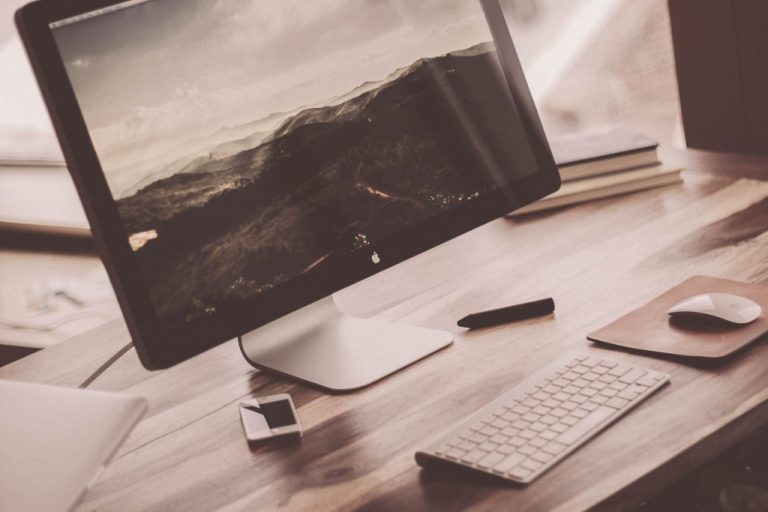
(274, 444)
(453, 475)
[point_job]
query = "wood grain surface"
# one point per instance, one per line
(597, 261)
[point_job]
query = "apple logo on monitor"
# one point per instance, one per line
(375, 258)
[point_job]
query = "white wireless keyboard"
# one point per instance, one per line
(538, 423)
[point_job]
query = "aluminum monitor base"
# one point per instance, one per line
(322, 346)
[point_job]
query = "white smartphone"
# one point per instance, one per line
(269, 416)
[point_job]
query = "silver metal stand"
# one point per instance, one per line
(320, 345)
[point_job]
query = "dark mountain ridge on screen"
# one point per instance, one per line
(327, 179)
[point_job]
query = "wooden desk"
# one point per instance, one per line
(597, 260)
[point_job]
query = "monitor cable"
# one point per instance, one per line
(109, 362)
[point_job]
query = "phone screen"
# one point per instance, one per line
(278, 414)
(259, 420)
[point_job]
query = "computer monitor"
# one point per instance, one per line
(241, 161)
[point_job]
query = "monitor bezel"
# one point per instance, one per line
(161, 347)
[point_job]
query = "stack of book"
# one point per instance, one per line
(604, 165)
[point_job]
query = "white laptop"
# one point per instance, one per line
(54, 442)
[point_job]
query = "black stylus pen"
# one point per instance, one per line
(508, 314)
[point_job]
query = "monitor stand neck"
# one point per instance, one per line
(322, 346)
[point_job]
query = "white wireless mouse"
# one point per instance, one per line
(725, 306)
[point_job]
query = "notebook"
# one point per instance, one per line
(650, 329)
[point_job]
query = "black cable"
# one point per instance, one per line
(109, 362)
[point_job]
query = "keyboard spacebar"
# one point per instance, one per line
(586, 424)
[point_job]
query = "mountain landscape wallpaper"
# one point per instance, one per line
(219, 217)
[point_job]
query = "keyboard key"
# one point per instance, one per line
(628, 394)
(591, 361)
(517, 442)
(520, 409)
(520, 424)
(619, 370)
(519, 473)
(490, 460)
(559, 428)
(569, 406)
(499, 439)
(473, 456)
(531, 464)
(570, 390)
(584, 410)
(646, 381)
(548, 419)
(554, 447)
(590, 376)
(616, 403)
(632, 376)
(498, 423)
(548, 435)
(558, 413)
(488, 446)
(531, 402)
(542, 457)
(455, 453)
(466, 445)
(510, 431)
(538, 427)
(527, 450)
(488, 431)
(488, 419)
(585, 425)
(527, 434)
(531, 417)
(537, 442)
(509, 416)
(506, 449)
(478, 438)
(508, 463)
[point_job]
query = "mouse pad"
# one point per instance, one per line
(649, 328)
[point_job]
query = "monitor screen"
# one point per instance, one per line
(248, 143)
